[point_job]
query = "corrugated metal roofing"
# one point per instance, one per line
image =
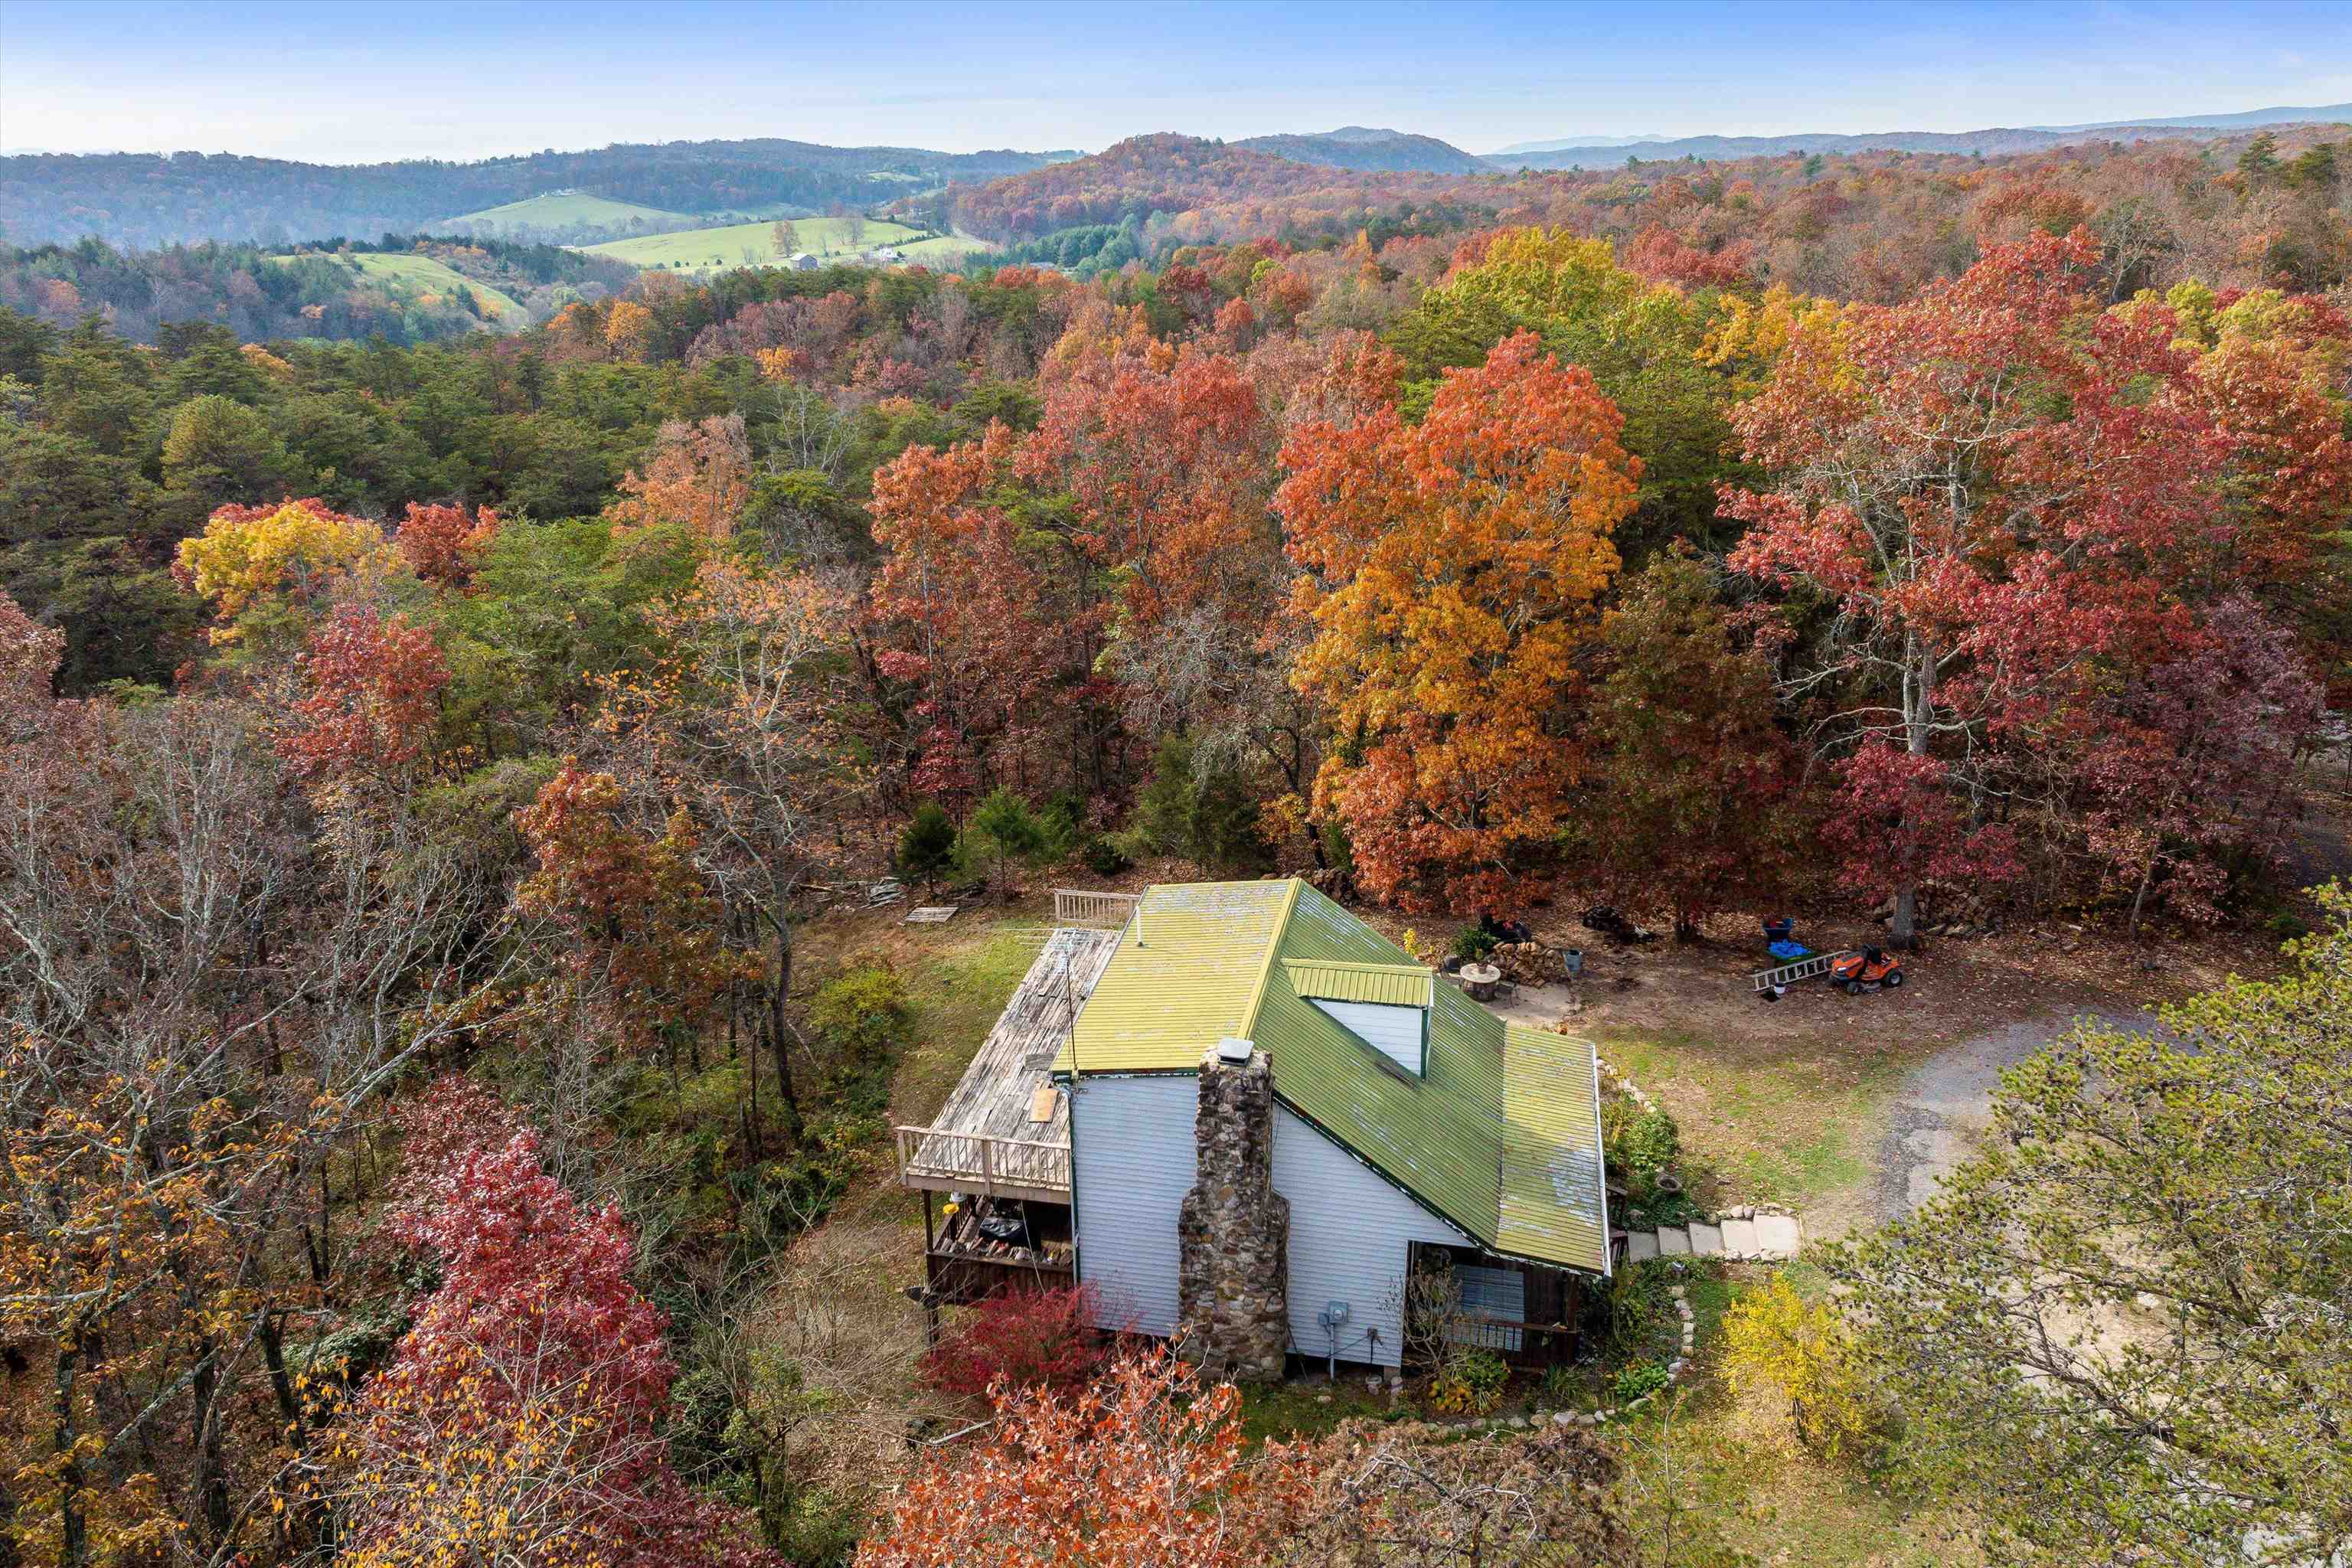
(1501, 1137)
(1390, 984)
(1186, 974)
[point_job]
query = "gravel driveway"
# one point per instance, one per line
(1947, 1101)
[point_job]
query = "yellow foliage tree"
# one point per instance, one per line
(628, 329)
(1800, 1353)
(288, 556)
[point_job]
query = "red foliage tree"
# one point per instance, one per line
(1024, 1339)
(994, 626)
(521, 1419)
(375, 684)
(2005, 493)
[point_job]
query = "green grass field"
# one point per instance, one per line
(424, 275)
(752, 244)
(573, 206)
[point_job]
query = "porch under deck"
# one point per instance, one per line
(1005, 1130)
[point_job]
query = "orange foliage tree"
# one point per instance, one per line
(1147, 1468)
(442, 544)
(643, 940)
(698, 480)
(1453, 569)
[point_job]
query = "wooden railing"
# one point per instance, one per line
(1102, 912)
(969, 1161)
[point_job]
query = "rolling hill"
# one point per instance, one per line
(560, 209)
(407, 274)
(149, 199)
(752, 245)
(1362, 147)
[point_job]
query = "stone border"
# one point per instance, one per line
(1674, 1370)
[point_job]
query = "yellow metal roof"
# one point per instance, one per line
(1390, 984)
(1187, 973)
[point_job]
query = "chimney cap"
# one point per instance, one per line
(1234, 1048)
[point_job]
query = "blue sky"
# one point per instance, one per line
(343, 81)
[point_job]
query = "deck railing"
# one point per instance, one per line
(970, 1162)
(1101, 911)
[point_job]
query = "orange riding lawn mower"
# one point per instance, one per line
(1852, 970)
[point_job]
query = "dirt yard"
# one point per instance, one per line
(1846, 1105)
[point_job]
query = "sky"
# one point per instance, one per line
(345, 81)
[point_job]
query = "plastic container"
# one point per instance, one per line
(1571, 959)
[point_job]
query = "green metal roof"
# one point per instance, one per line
(1502, 1135)
(1390, 984)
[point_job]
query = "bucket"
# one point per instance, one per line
(1571, 959)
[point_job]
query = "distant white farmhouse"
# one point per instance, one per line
(1246, 1119)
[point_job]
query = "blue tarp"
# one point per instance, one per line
(1790, 952)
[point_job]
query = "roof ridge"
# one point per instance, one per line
(1272, 951)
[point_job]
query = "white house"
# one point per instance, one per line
(1244, 1119)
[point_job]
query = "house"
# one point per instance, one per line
(802, 261)
(1246, 1120)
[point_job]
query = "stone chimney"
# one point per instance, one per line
(1233, 1233)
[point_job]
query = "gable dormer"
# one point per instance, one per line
(1385, 1005)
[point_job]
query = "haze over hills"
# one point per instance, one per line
(1363, 147)
(1605, 151)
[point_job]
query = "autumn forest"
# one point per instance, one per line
(430, 747)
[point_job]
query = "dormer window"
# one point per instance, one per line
(1384, 1005)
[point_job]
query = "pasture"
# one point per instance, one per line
(557, 210)
(752, 245)
(409, 274)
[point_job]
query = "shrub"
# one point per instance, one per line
(1471, 1384)
(927, 847)
(1030, 1339)
(1631, 1309)
(1561, 1384)
(1800, 1352)
(863, 1009)
(1642, 1377)
(1637, 1144)
(1471, 944)
(1104, 858)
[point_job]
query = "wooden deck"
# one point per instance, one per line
(985, 1139)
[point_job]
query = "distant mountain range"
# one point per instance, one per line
(1363, 147)
(1607, 153)
(146, 199)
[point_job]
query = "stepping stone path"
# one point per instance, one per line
(1740, 1235)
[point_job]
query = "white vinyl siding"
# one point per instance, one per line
(1396, 1032)
(1348, 1231)
(1132, 1163)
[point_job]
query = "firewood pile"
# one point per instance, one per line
(1527, 962)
